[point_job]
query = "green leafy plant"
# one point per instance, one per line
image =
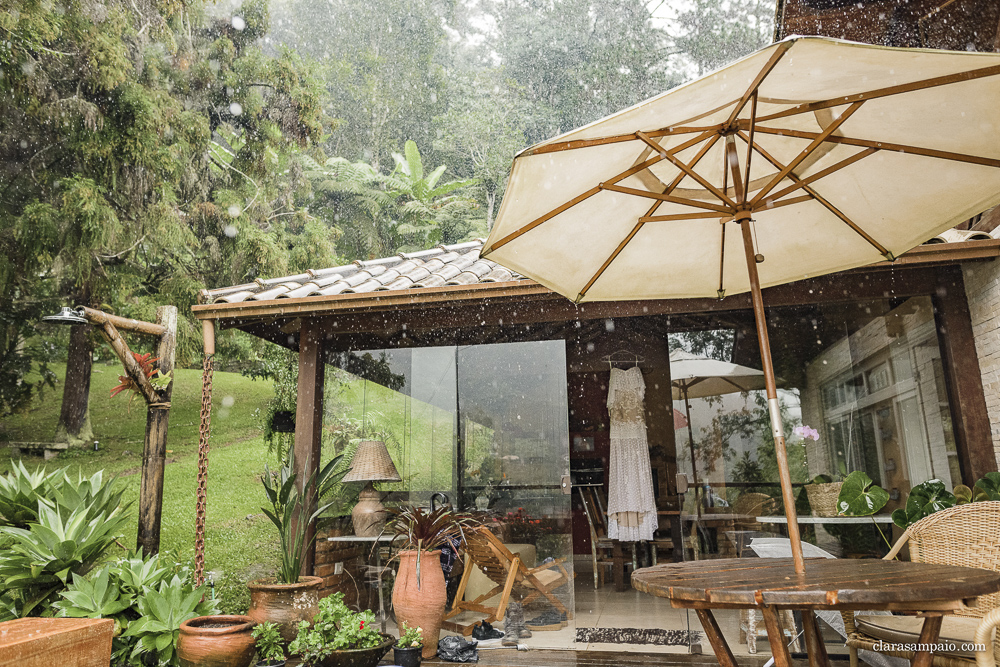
(335, 628)
(269, 643)
(40, 560)
(410, 637)
(147, 600)
(924, 499)
(860, 496)
(286, 503)
(21, 492)
(988, 487)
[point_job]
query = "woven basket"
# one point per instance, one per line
(823, 498)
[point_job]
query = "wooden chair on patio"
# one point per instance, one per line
(511, 576)
(968, 536)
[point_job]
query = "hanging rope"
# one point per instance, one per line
(204, 432)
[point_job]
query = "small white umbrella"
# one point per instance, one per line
(694, 376)
(817, 155)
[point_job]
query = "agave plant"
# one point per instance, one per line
(286, 503)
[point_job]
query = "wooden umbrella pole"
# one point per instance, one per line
(743, 218)
(694, 460)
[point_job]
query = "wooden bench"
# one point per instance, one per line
(68, 642)
(49, 450)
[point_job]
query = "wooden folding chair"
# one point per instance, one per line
(511, 576)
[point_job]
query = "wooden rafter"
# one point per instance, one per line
(883, 145)
(680, 216)
(593, 191)
(782, 47)
(767, 204)
(813, 145)
(753, 123)
(733, 161)
(823, 173)
(885, 92)
(822, 200)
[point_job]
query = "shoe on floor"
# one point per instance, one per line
(549, 620)
(484, 631)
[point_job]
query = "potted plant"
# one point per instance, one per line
(340, 637)
(419, 596)
(406, 652)
(270, 647)
(288, 598)
(216, 640)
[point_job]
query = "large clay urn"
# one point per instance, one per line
(421, 606)
(284, 604)
(216, 641)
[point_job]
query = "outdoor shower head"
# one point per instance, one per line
(66, 316)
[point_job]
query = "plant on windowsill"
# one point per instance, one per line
(289, 598)
(418, 595)
(339, 637)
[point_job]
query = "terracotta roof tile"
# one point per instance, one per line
(457, 264)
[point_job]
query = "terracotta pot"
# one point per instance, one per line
(216, 641)
(421, 607)
(284, 604)
(359, 657)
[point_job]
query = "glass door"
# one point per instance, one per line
(513, 466)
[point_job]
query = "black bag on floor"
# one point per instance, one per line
(458, 649)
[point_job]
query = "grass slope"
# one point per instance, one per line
(239, 539)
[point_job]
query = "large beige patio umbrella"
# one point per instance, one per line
(808, 157)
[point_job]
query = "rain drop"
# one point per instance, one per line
(228, 401)
(239, 23)
(236, 109)
(233, 211)
(230, 231)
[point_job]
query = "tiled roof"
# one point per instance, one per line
(457, 264)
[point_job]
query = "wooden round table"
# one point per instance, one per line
(771, 584)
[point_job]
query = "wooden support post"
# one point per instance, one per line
(963, 377)
(155, 446)
(309, 425)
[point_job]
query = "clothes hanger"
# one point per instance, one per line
(634, 359)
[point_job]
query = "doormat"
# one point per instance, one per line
(637, 636)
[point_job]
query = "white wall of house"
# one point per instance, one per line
(982, 289)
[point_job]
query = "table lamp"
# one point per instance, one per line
(371, 463)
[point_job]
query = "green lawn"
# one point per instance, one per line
(239, 539)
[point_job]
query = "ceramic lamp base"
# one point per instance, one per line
(369, 514)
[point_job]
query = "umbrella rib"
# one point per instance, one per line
(768, 204)
(759, 79)
(652, 209)
(885, 92)
(815, 195)
(899, 148)
(753, 123)
(821, 174)
(813, 145)
(593, 191)
(616, 138)
(668, 198)
(686, 169)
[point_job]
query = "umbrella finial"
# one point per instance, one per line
(722, 294)
(889, 256)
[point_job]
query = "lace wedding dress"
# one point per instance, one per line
(631, 507)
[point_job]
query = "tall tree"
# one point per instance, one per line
(712, 33)
(143, 154)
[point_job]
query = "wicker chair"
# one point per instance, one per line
(968, 536)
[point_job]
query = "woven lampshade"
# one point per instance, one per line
(372, 463)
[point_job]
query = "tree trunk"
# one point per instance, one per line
(74, 419)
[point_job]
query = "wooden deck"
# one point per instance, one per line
(547, 658)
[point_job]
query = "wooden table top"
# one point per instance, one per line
(826, 584)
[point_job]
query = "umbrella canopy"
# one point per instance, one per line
(693, 376)
(808, 157)
(860, 153)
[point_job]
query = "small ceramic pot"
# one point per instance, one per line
(216, 641)
(407, 657)
(284, 604)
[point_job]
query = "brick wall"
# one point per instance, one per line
(982, 287)
(351, 580)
